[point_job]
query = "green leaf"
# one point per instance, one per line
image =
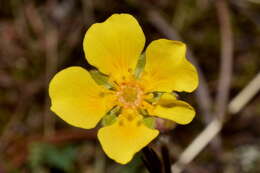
(134, 166)
(36, 157)
(140, 66)
(42, 154)
(62, 159)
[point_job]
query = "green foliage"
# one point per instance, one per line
(41, 154)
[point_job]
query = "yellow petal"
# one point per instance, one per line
(114, 45)
(125, 137)
(77, 99)
(170, 108)
(167, 69)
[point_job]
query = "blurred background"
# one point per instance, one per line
(39, 38)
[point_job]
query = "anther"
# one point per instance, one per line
(139, 123)
(121, 123)
(101, 94)
(130, 117)
(130, 95)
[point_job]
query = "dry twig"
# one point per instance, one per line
(226, 58)
(51, 41)
(245, 95)
(27, 92)
(215, 126)
(201, 141)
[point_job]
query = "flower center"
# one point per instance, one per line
(130, 95)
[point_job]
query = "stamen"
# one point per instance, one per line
(121, 123)
(139, 123)
(130, 95)
(129, 117)
(101, 94)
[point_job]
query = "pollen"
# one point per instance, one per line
(130, 95)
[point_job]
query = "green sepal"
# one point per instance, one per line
(149, 122)
(108, 119)
(156, 97)
(143, 112)
(111, 116)
(100, 78)
(140, 66)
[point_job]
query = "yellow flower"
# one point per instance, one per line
(114, 48)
